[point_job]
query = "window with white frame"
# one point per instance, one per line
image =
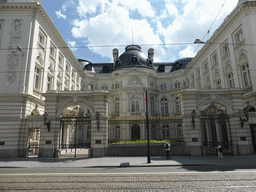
(117, 105)
(37, 78)
(214, 58)
(177, 85)
(135, 107)
(117, 132)
(41, 38)
(239, 36)
(49, 82)
(165, 131)
(246, 75)
(230, 79)
(225, 49)
(91, 86)
(116, 85)
(218, 81)
(52, 50)
(164, 106)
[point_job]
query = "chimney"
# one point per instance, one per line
(151, 54)
(115, 54)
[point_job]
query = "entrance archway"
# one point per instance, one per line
(135, 132)
(215, 128)
(75, 132)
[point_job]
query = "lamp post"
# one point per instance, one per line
(147, 125)
(97, 117)
(47, 123)
(246, 118)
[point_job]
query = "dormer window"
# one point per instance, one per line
(161, 68)
(105, 69)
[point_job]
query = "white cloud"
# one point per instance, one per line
(60, 15)
(172, 9)
(188, 52)
(72, 45)
(195, 21)
(114, 27)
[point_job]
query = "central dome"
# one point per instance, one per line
(133, 57)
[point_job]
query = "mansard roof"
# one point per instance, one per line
(133, 57)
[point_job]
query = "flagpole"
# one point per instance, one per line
(147, 125)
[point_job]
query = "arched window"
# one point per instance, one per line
(164, 106)
(166, 131)
(117, 105)
(135, 107)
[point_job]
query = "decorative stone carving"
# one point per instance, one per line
(14, 53)
(35, 111)
(134, 81)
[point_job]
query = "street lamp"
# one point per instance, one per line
(198, 41)
(246, 118)
(193, 115)
(47, 123)
(97, 117)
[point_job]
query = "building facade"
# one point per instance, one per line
(201, 101)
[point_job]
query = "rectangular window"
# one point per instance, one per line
(246, 75)
(239, 37)
(49, 83)
(231, 82)
(177, 85)
(52, 50)
(90, 86)
(225, 49)
(104, 87)
(37, 75)
(152, 107)
(215, 59)
(163, 87)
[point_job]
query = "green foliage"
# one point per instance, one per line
(143, 141)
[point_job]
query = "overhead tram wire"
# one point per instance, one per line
(208, 32)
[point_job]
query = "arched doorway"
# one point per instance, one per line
(215, 129)
(75, 131)
(135, 132)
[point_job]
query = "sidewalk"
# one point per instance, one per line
(237, 161)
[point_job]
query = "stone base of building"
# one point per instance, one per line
(244, 150)
(13, 153)
(48, 153)
(195, 150)
(98, 152)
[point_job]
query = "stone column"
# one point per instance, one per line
(99, 128)
(49, 138)
(191, 134)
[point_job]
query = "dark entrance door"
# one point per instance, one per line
(253, 134)
(135, 132)
(215, 129)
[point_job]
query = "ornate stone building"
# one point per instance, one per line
(201, 101)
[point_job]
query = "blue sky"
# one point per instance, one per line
(95, 27)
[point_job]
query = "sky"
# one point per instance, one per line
(93, 28)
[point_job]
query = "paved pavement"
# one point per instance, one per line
(234, 161)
